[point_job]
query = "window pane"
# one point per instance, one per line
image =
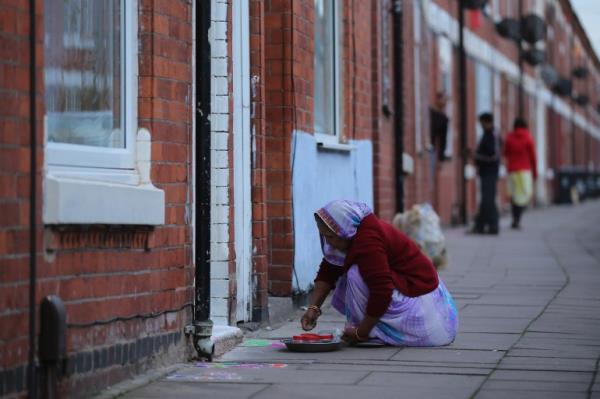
(83, 69)
(324, 101)
(483, 95)
(445, 61)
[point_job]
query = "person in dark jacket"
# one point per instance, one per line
(487, 158)
(386, 287)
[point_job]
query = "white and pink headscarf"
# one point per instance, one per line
(343, 218)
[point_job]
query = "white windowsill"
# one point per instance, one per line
(92, 196)
(72, 201)
(330, 146)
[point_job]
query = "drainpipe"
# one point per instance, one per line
(398, 106)
(201, 327)
(31, 372)
(573, 103)
(521, 100)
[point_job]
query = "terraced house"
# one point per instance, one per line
(161, 160)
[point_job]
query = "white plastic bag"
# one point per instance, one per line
(422, 225)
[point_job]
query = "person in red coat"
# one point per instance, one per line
(386, 287)
(519, 151)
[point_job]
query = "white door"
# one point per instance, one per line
(241, 162)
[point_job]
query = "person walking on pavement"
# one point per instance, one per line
(487, 158)
(386, 287)
(519, 152)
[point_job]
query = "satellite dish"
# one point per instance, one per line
(549, 75)
(580, 72)
(533, 28)
(582, 100)
(509, 28)
(534, 57)
(563, 87)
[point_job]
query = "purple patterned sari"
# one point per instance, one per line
(427, 320)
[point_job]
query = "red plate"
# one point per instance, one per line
(310, 337)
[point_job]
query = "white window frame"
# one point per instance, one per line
(96, 185)
(446, 48)
(417, 37)
(336, 85)
(71, 156)
(483, 70)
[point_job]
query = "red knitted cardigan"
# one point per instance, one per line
(386, 259)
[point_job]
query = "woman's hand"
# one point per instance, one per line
(352, 336)
(355, 335)
(309, 320)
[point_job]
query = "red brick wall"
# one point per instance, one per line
(102, 273)
(284, 85)
(358, 87)
(289, 47)
(14, 185)
(384, 167)
(260, 239)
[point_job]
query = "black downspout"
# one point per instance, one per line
(31, 372)
(521, 99)
(462, 121)
(202, 325)
(398, 106)
(573, 103)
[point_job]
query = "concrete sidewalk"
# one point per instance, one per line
(529, 307)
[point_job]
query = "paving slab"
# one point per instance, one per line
(561, 326)
(513, 394)
(267, 375)
(525, 375)
(476, 310)
(487, 341)
(263, 354)
(545, 363)
(396, 367)
(515, 300)
(553, 386)
(533, 338)
(477, 368)
(335, 391)
(437, 382)
(185, 390)
(556, 353)
(443, 355)
(493, 325)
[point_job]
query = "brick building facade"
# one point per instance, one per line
(303, 109)
(561, 126)
(113, 240)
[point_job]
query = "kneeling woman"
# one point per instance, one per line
(386, 287)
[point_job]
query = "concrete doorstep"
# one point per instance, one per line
(225, 338)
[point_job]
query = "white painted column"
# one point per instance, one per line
(220, 168)
(241, 159)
